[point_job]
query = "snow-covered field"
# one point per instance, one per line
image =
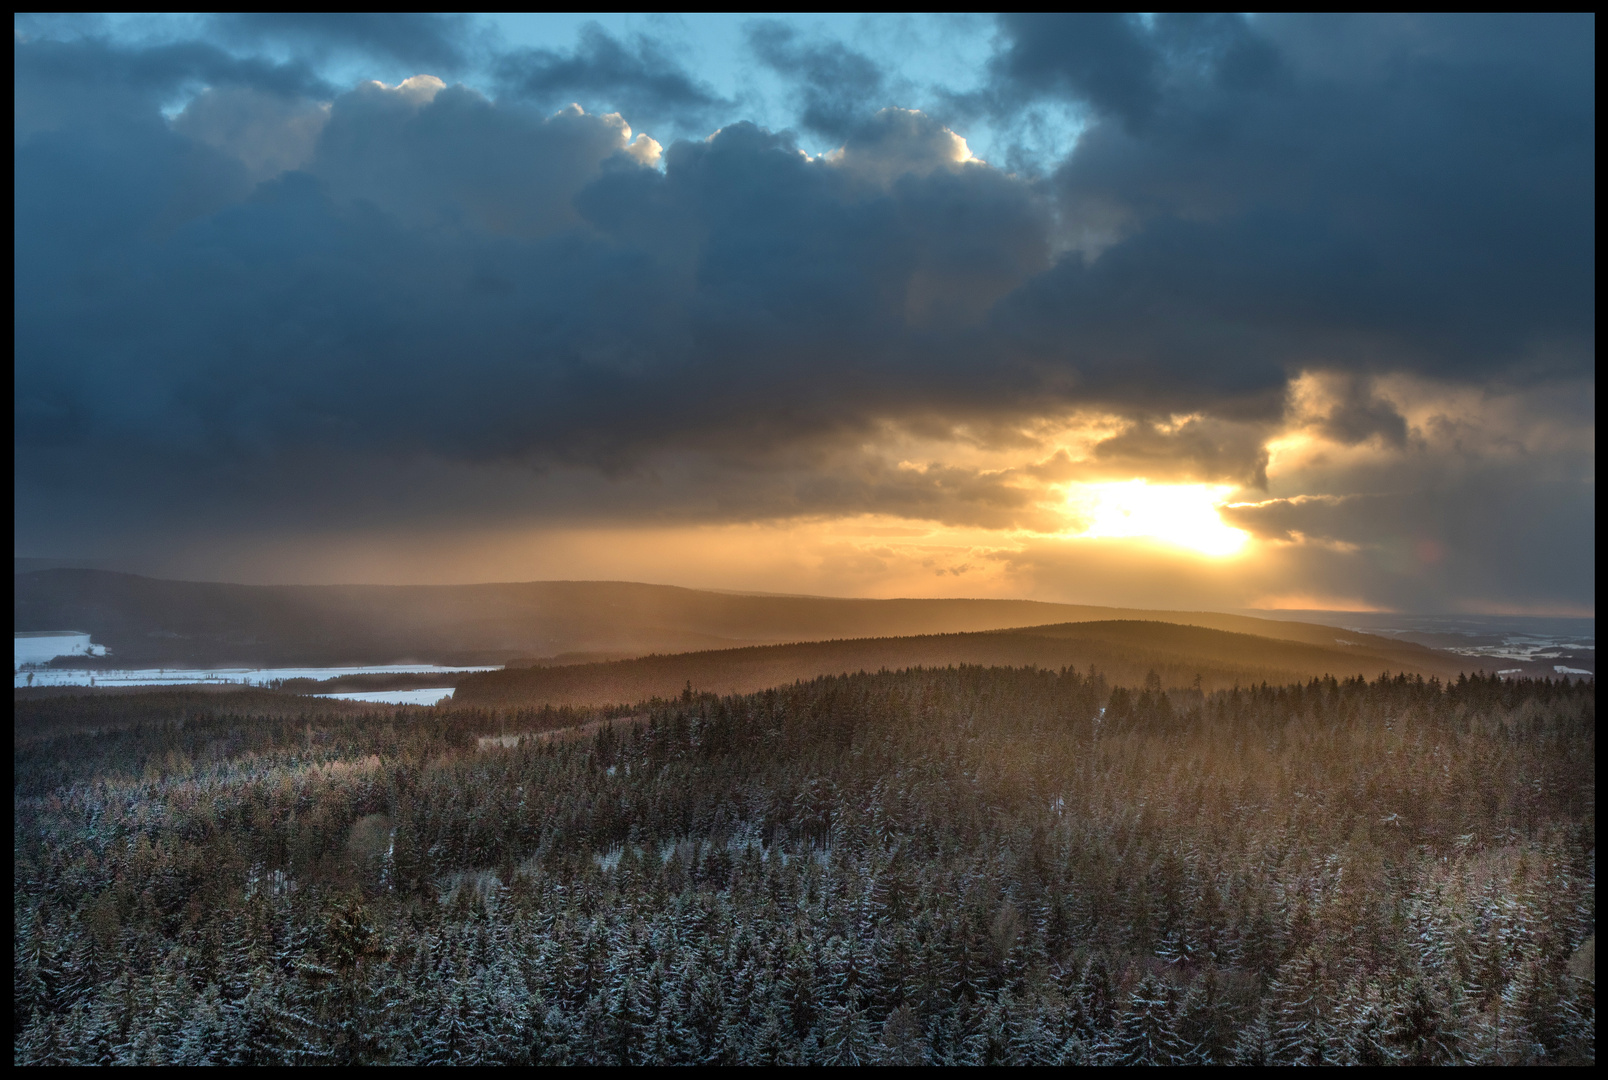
(1567, 645)
(232, 676)
(1526, 647)
(43, 646)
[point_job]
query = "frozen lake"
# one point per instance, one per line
(233, 676)
(434, 696)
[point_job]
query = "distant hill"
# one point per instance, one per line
(1124, 650)
(23, 564)
(150, 621)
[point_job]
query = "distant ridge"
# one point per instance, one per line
(151, 621)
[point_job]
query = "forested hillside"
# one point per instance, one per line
(1125, 651)
(963, 865)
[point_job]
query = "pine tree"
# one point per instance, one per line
(1418, 1028)
(1534, 1026)
(202, 1038)
(1206, 925)
(1361, 1023)
(1034, 1039)
(501, 1018)
(845, 1036)
(798, 989)
(1145, 1034)
(902, 1041)
(705, 1016)
(1073, 1051)
(35, 971)
(1254, 1045)
(772, 1041)
(1205, 1022)
(1581, 1023)
(39, 1042)
(251, 1028)
(992, 1032)
(1302, 1028)
(1097, 997)
(554, 1041)
(449, 1038)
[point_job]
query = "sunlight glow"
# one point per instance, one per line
(1184, 515)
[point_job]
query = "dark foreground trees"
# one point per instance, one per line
(968, 865)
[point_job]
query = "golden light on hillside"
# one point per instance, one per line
(1182, 515)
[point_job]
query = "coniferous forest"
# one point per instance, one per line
(968, 865)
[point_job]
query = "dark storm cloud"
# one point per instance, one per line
(638, 78)
(435, 42)
(1129, 67)
(454, 278)
(251, 289)
(1357, 415)
(1415, 195)
(1197, 449)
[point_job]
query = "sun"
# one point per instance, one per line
(1182, 515)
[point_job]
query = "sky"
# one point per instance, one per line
(1217, 311)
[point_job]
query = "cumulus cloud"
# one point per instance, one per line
(267, 133)
(282, 299)
(900, 142)
(431, 156)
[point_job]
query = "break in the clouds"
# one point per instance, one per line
(1334, 276)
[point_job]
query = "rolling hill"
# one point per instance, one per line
(1124, 650)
